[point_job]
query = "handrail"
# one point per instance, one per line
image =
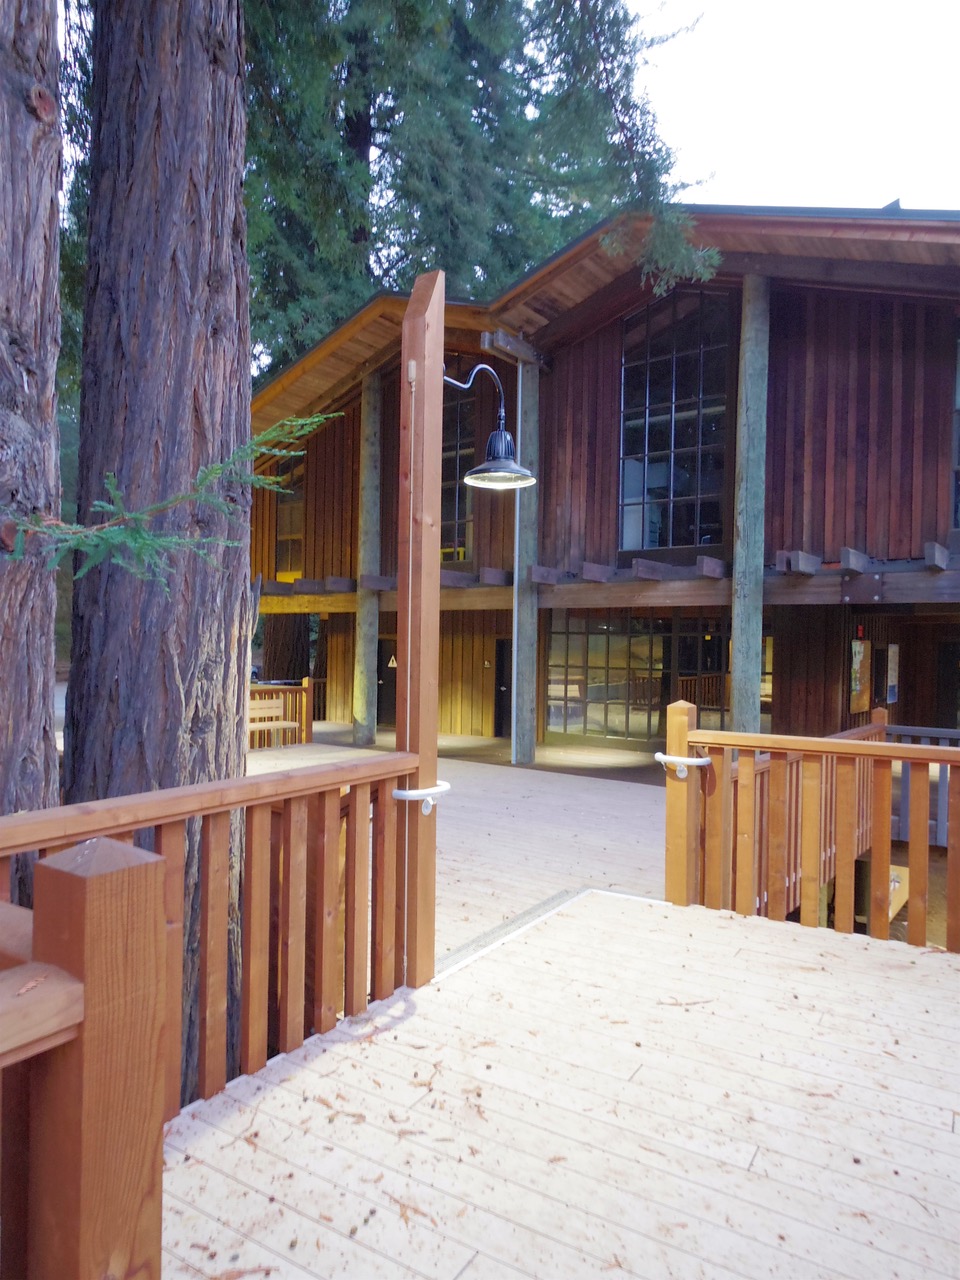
(860, 747)
(40, 1007)
(75, 822)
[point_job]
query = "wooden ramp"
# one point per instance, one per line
(623, 1087)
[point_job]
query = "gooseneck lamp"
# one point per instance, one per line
(500, 469)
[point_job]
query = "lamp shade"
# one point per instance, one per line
(500, 469)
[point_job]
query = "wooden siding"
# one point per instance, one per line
(263, 535)
(811, 666)
(580, 452)
(468, 668)
(333, 496)
(859, 424)
(340, 646)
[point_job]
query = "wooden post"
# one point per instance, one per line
(418, 603)
(96, 1103)
(368, 563)
(525, 591)
(746, 638)
(683, 811)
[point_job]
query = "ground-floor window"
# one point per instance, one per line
(612, 673)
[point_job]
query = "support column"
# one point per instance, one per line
(525, 592)
(749, 497)
(418, 605)
(368, 562)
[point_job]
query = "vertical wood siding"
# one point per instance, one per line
(468, 640)
(332, 496)
(340, 645)
(263, 534)
(580, 452)
(859, 424)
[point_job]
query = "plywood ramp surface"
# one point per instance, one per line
(621, 1087)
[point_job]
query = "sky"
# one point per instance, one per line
(825, 103)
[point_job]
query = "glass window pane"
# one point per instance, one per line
(632, 479)
(631, 537)
(656, 525)
(685, 427)
(715, 372)
(634, 386)
(634, 438)
(688, 377)
(658, 476)
(661, 381)
(658, 434)
(684, 524)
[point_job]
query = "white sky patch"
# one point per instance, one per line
(829, 103)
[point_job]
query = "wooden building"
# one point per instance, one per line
(749, 490)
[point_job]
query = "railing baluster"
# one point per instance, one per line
(214, 890)
(358, 900)
(293, 892)
(400, 874)
(746, 835)
(383, 961)
(810, 839)
(255, 993)
(845, 834)
(170, 842)
(880, 849)
(953, 859)
(777, 857)
(327, 986)
(919, 853)
(718, 844)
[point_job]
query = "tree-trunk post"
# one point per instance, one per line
(29, 444)
(368, 562)
(746, 639)
(683, 811)
(525, 591)
(96, 1103)
(418, 603)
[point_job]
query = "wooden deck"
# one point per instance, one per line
(620, 1087)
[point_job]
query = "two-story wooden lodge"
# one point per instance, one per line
(842, 325)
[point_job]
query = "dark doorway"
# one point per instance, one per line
(948, 686)
(503, 697)
(387, 684)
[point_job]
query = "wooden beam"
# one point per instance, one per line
(660, 570)
(546, 576)
(936, 556)
(377, 582)
(711, 567)
(746, 628)
(496, 577)
(596, 572)
(367, 627)
(418, 603)
(341, 602)
(454, 578)
(852, 561)
(271, 588)
(914, 277)
(509, 345)
(800, 562)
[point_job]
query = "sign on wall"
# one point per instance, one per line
(860, 676)
(893, 672)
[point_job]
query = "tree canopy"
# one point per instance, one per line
(386, 139)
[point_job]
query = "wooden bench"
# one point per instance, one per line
(265, 719)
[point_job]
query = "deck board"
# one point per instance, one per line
(623, 1087)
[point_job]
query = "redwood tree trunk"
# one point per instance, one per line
(286, 646)
(29, 444)
(158, 681)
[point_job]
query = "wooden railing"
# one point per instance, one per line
(774, 819)
(297, 706)
(81, 1072)
(939, 825)
(323, 923)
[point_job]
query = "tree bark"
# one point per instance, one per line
(30, 155)
(157, 687)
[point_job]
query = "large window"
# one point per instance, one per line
(612, 673)
(956, 447)
(290, 518)
(456, 504)
(675, 360)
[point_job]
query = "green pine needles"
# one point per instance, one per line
(133, 539)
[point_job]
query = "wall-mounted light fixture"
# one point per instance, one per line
(500, 469)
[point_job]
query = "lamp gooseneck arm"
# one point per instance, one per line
(465, 386)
